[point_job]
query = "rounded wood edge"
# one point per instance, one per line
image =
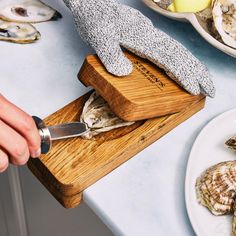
(59, 190)
(82, 72)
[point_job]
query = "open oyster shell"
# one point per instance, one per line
(216, 188)
(98, 116)
(231, 143)
(18, 32)
(224, 17)
(27, 11)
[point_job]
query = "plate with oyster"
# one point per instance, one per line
(215, 20)
(210, 184)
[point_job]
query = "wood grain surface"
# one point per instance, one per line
(74, 164)
(146, 93)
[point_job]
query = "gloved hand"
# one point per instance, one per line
(106, 25)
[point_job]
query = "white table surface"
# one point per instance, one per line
(144, 196)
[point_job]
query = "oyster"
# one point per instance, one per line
(224, 17)
(163, 3)
(231, 143)
(216, 188)
(234, 222)
(27, 11)
(18, 32)
(98, 116)
(205, 14)
(191, 6)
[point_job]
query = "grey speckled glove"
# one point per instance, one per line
(106, 25)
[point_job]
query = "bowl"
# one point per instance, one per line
(196, 22)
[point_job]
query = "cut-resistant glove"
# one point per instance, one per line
(107, 25)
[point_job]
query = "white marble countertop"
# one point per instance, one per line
(144, 196)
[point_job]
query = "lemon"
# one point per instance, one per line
(189, 5)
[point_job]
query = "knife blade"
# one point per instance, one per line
(57, 132)
(67, 130)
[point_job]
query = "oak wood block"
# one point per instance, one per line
(146, 93)
(74, 164)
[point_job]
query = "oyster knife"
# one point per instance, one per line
(57, 132)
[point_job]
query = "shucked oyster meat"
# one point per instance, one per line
(98, 116)
(216, 190)
(224, 17)
(18, 32)
(30, 11)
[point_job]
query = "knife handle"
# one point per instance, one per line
(44, 133)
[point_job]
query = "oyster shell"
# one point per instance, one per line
(18, 32)
(234, 222)
(216, 188)
(224, 17)
(163, 3)
(98, 116)
(27, 11)
(205, 14)
(231, 143)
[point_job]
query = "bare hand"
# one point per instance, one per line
(19, 137)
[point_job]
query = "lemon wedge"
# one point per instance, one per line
(189, 5)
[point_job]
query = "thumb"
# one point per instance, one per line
(113, 58)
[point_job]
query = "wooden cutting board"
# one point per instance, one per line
(74, 164)
(146, 93)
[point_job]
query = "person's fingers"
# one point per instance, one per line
(3, 161)
(14, 144)
(23, 123)
(106, 45)
(114, 59)
(206, 85)
(191, 85)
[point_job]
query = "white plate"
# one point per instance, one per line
(199, 25)
(208, 150)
